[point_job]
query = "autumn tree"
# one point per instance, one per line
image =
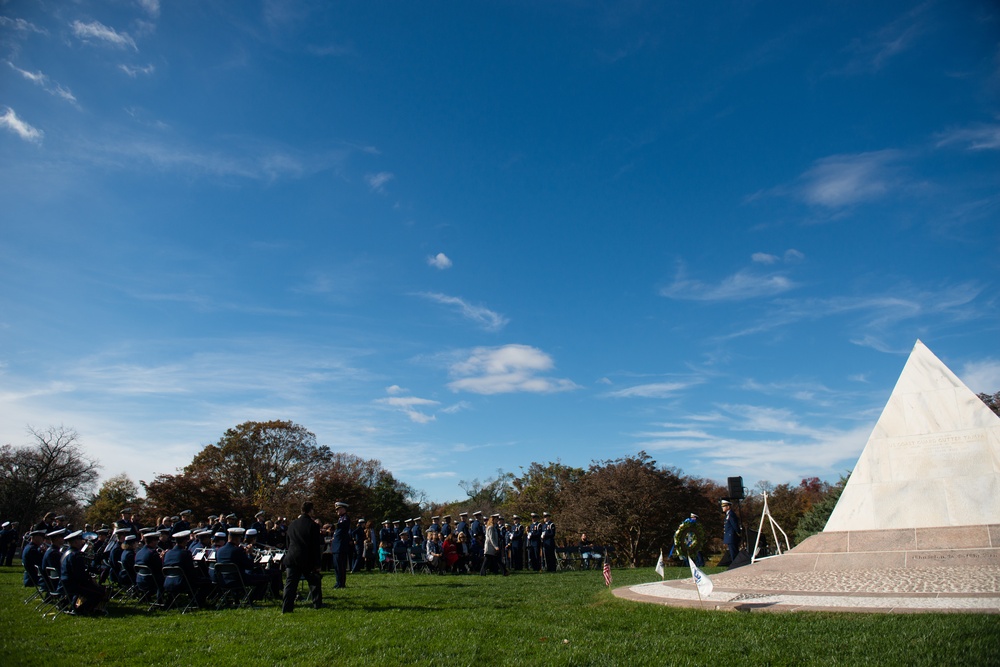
(370, 490)
(490, 495)
(541, 488)
(631, 504)
(814, 521)
(50, 474)
(253, 465)
(115, 494)
(993, 402)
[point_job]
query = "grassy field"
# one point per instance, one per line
(568, 618)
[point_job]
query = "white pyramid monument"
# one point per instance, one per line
(926, 490)
(932, 460)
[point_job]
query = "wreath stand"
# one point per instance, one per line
(775, 528)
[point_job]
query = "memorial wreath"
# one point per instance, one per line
(689, 538)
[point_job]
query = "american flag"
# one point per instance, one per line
(607, 573)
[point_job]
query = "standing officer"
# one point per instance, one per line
(446, 526)
(463, 524)
(731, 531)
(517, 543)
(302, 560)
(358, 537)
(549, 541)
(341, 546)
(258, 525)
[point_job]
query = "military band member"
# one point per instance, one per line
(341, 546)
(181, 556)
(232, 552)
(52, 558)
(259, 526)
(88, 596)
(182, 522)
(46, 523)
(149, 556)
(31, 557)
(126, 569)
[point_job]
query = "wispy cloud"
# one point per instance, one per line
(409, 405)
(439, 261)
(982, 377)
(760, 443)
(484, 317)
(21, 25)
(742, 285)
(844, 180)
(873, 52)
(97, 31)
(49, 86)
(791, 255)
(377, 182)
(507, 369)
(980, 137)
(872, 316)
(651, 390)
(134, 71)
(10, 121)
(152, 7)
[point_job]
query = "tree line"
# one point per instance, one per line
(632, 504)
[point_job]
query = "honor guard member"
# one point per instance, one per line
(477, 533)
(86, 595)
(435, 526)
(517, 543)
(302, 561)
(52, 559)
(31, 557)
(358, 537)
(397, 528)
(549, 541)
(126, 569)
(180, 556)
(232, 552)
(149, 556)
(463, 524)
(446, 526)
(417, 531)
(408, 526)
(386, 536)
(341, 546)
(534, 537)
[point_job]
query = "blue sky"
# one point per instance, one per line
(459, 237)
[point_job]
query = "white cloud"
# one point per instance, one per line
(40, 79)
(976, 138)
(764, 258)
(484, 317)
(439, 261)
(377, 181)
(741, 285)
(21, 25)
(507, 369)
(95, 30)
(843, 180)
(134, 71)
(651, 390)
(982, 377)
(395, 390)
(873, 52)
(152, 7)
(22, 129)
(408, 405)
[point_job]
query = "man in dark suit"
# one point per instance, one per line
(341, 547)
(302, 560)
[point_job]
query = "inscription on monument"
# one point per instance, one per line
(938, 455)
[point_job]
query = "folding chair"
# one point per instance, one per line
(387, 565)
(45, 598)
(147, 584)
(175, 585)
(38, 589)
(56, 596)
(417, 561)
(229, 582)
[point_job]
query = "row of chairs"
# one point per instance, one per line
(416, 563)
(229, 589)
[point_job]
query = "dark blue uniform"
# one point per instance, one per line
(341, 548)
(233, 553)
(153, 583)
(77, 583)
(731, 534)
(52, 558)
(126, 569)
(516, 537)
(549, 544)
(31, 559)
(534, 536)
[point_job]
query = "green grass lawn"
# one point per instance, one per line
(568, 618)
